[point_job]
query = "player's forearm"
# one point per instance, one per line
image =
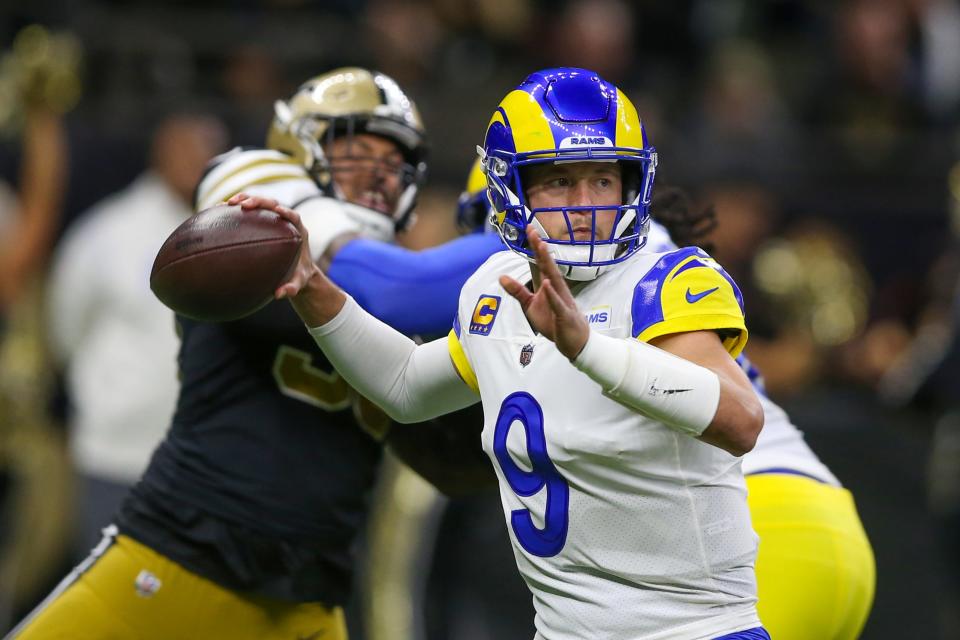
(410, 383)
(41, 198)
(685, 396)
(44, 172)
(737, 421)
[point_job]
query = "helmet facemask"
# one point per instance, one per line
(578, 259)
(570, 115)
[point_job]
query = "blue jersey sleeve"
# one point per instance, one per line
(415, 292)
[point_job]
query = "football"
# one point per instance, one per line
(224, 263)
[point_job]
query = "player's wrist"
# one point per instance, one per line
(576, 345)
(675, 391)
(602, 358)
(319, 301)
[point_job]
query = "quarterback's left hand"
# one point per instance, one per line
(313, 296)
(252, 203)
(551, 310)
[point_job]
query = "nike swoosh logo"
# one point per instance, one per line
(655, 391)
(694, 297)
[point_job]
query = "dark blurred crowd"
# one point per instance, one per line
(825, 135)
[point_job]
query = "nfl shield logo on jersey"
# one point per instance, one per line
(526, 355)
(147, 584)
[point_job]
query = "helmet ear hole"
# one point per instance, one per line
(283, 114)
(632, 181)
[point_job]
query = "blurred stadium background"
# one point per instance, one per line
(825, 133)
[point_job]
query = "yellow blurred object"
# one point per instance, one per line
(818, 282)
(40, 71)
(33, 456)
(953, 183)
(476, 180)
(401, 536)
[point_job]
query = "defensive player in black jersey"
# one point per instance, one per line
(244, 522)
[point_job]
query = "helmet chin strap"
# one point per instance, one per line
(372, 223)
(579, 273)
(578, 254)
(582, 274)
(601, 253)
(402, 215)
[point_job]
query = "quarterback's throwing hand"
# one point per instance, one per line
(551, 310)
(305, 268)
(314, 297)
(252, 203)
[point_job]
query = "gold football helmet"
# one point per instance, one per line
(343, 102)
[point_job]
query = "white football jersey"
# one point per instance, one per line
(622, 527)
(780, 446)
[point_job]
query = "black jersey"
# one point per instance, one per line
(262, 482)
(263, 479)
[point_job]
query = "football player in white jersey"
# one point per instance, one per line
(816, 573)
(614, 410)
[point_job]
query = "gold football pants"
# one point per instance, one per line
(816, 572)
(126, 591)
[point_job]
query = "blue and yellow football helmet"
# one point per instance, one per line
(569, 115)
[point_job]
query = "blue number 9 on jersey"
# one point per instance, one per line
(521, 407)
